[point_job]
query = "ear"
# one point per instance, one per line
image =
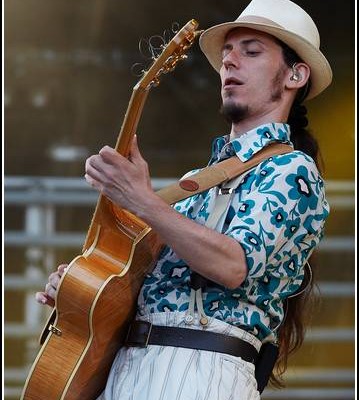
(297, 76)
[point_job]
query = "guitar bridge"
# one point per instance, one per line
(55, 330)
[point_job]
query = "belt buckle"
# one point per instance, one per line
(138, 334)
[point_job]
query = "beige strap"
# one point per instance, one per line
(222, 203)
(218, 173)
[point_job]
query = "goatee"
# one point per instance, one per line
(234, 113)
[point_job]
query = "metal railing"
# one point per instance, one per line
(39, 196)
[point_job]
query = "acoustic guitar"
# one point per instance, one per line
(97, 295)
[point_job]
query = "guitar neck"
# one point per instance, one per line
(123, 146)
(131, 120)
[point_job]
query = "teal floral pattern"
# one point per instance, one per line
(277, 215)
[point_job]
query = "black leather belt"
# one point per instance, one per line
(143, 333)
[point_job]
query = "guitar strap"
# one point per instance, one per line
(218, 173)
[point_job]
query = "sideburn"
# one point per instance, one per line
(277, 84)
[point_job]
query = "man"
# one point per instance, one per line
(253, 261)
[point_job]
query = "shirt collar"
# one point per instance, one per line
(249, 143)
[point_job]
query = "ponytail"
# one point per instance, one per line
(301, 137)
(292, 331)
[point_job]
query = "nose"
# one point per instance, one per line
(230, 60)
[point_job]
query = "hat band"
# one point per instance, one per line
(258, 20)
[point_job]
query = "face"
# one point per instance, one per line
(252, 74)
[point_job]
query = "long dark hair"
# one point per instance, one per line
(301, 137)
(297, 308)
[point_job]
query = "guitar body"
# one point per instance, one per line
(95, 302)
(97, 295)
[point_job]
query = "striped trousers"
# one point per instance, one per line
(174, 373)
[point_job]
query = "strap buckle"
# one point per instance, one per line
(223, 191)
(138, 334)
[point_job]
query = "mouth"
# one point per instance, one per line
(230, 82)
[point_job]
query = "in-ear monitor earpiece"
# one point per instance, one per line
(296, 76)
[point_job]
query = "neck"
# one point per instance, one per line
(242, 127)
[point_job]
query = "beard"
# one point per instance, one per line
(235, 112)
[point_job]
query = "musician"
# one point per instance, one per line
(239, 277)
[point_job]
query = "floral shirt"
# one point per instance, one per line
(276, 214)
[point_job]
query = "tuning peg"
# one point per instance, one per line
(155, 82)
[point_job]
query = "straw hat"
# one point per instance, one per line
(286, 21)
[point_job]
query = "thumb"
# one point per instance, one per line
(135, 154)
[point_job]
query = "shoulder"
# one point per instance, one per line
(295, 162)
(292, 159)
(292, 175)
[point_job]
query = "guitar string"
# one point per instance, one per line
(151, 48)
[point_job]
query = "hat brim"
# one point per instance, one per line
(212, 40)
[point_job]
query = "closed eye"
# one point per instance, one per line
(252, 53)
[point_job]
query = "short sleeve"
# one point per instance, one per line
(278, 215)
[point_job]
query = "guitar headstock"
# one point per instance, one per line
(173, 52)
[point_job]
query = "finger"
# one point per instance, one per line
(95, 167)
(98, 171)
(111, 156)
(62, 268)
(50, 291)
(43, 298)
(40, 297)
(93, 182)
(95, 161)
(54, 279)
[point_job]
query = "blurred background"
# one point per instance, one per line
(68, 80)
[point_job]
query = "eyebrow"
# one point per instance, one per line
(245, 42)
